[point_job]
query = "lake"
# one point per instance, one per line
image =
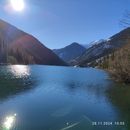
(61, 98)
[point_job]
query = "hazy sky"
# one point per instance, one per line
(57, 23)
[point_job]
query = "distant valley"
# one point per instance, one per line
(18, 47)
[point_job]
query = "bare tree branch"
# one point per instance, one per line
(125, 22)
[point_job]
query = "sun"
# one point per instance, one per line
(17, 5)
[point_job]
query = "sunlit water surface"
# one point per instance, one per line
(60, 98)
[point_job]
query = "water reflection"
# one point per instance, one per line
(20, 70)
(119, 96)
(15, 79)
(97, 89)
(9, 122)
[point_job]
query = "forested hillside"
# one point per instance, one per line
(118, 63)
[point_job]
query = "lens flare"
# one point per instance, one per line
(17, 5)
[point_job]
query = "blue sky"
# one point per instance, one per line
(57, 23)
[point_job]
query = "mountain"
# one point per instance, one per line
(93, 43)
(103, 48)
(70, 52)
(118, 64)
(18, 47)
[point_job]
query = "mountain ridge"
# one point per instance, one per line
(70, 52)
(103, 48)
(19, 47)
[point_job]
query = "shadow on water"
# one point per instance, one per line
(119, 96)
(15, 79)
(98, 89)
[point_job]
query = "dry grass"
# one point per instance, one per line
(120, 66)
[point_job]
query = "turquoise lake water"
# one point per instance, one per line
(61, 98)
